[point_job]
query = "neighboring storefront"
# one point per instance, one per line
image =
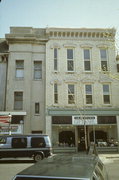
(12, 122)
(73, 131)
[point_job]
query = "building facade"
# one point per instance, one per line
(25, 92)
(82, 104)
(60, 81)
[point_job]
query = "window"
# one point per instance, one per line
(19, 142)
(37, 70)
(103, 56)
(106, 94)
(20, 69)
(71, 96)
(70, 63)
(37, 142)
(55, 93)
(88, 91)
(87, 66)
(18, 100)
(55, 58)
(37, 108)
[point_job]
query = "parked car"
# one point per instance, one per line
(66, 167)
(36, 146)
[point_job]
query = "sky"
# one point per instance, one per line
(58, 13)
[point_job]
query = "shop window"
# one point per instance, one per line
(67, 138)
(19, 142)
(37, 142)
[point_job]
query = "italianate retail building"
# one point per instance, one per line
(61, 81)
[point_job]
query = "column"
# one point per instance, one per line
(49, 126)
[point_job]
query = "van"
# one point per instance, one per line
(36, 146)
(66, 167)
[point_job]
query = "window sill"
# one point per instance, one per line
(70, 72)
(36, 114)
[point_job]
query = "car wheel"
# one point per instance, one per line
(38, 157)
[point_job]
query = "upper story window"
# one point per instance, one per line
(87, 64)
(55, 93)
(20, 69)
(71, 94)
(88, 92)
(103, 56)
(70, 63)
(37, 108)
(106, 93)
(37, 70)
(55, 59)
(18, 100)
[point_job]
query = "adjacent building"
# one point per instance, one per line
(60, 81)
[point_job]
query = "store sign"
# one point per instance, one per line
(84, 120)
(15, 129)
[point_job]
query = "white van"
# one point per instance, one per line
(36, 146)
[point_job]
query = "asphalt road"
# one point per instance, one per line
(8, 168)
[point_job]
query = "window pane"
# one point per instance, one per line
(19, 73)
(87, 65)
(70, 65)
(103, 54)
(37, 70)
(106, 99)
(71, 99)
(104, 65)
(88, 99)
(18, 100)
(37, 142)
(69, 53)
(55, 52)
(106, 89)
(37, 108)
(88, 89)
(71, 89)
(86, 54)
(19, 68)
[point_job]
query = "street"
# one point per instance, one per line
(8, 168)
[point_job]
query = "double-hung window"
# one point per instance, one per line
(18, 100)
(71, 94)
(55, 93)
(20, 69)
(106, 93)
(103, 56)
(55, 59)
(70, 61)
(37, 70)
(87, 63)
(88, 92)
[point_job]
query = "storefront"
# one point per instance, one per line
(12, 122)
(80, 131)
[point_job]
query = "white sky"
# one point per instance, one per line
(58, 13)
